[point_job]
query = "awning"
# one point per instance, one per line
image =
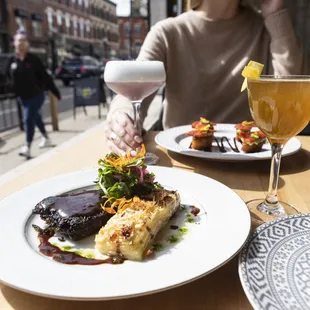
(37, 17)
(21, 13)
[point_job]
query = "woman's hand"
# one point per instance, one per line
(121, 134)
(271, 6)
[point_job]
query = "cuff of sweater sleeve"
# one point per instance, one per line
(279, 25)
(120, 109)
(120, 103)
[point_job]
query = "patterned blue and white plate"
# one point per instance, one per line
(274, 265)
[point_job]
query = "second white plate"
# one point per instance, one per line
(175, 139)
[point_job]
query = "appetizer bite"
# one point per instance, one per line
(243, 129)
(202, 134)
(253, 142)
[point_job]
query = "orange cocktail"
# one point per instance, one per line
(280, 106)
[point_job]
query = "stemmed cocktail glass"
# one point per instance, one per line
(136, 80)
(280, 107)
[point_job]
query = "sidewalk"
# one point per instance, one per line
(11, 141)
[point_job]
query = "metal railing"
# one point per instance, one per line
(11, 113)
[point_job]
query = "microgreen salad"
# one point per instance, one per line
(124, 176)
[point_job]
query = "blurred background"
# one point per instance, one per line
(103, 29)
(75, 39)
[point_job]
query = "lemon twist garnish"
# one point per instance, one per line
(253, 70)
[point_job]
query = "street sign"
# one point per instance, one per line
(88, 92)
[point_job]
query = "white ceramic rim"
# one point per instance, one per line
(221, 218)
(168, 139)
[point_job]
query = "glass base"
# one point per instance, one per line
(260, 213)
(150, 159)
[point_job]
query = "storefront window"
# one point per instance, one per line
(88, 29)
(126, 44)
(126, 29)
(21, 23)
(82, 27)
(81, 5)
(50, 18)
(68, 23)
(75, 26)
(86, 5)
(59, 21)
(37, 28)
(137, 29)
(74, 3)
(138, 47)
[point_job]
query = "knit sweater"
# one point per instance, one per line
(204, 60)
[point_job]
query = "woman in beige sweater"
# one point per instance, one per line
(204, 51)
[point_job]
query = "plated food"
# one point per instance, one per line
(251, 140)
(73, 216)
(202, 134)
(132, 229)
(124, 214)
(243, 129)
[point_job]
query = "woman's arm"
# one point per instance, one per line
(46, 79)
(287, 56)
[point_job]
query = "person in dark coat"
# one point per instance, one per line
(30, 80)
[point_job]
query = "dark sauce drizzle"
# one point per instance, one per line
(70, 258)
(220, 145)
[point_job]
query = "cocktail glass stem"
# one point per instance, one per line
(271, 204)
(150, 158)
(137, 118)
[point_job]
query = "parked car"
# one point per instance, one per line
(78, 67)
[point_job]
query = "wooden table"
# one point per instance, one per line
(219, 290)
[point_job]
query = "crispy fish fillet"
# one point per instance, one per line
(129, 233)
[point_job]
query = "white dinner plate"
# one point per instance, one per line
(274, 266)
(217, 234)
(175, 139)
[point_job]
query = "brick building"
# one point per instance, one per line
(81, 27)
(104, 23)
(133, 31)
(30, 16)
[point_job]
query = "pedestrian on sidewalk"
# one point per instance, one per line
(30, 80)
(204, 51)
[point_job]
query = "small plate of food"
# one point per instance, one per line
(225, 142)
(119, 231)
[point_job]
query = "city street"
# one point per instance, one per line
(65, 106)
(12, 140)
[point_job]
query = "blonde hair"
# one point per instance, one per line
(193, 4)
